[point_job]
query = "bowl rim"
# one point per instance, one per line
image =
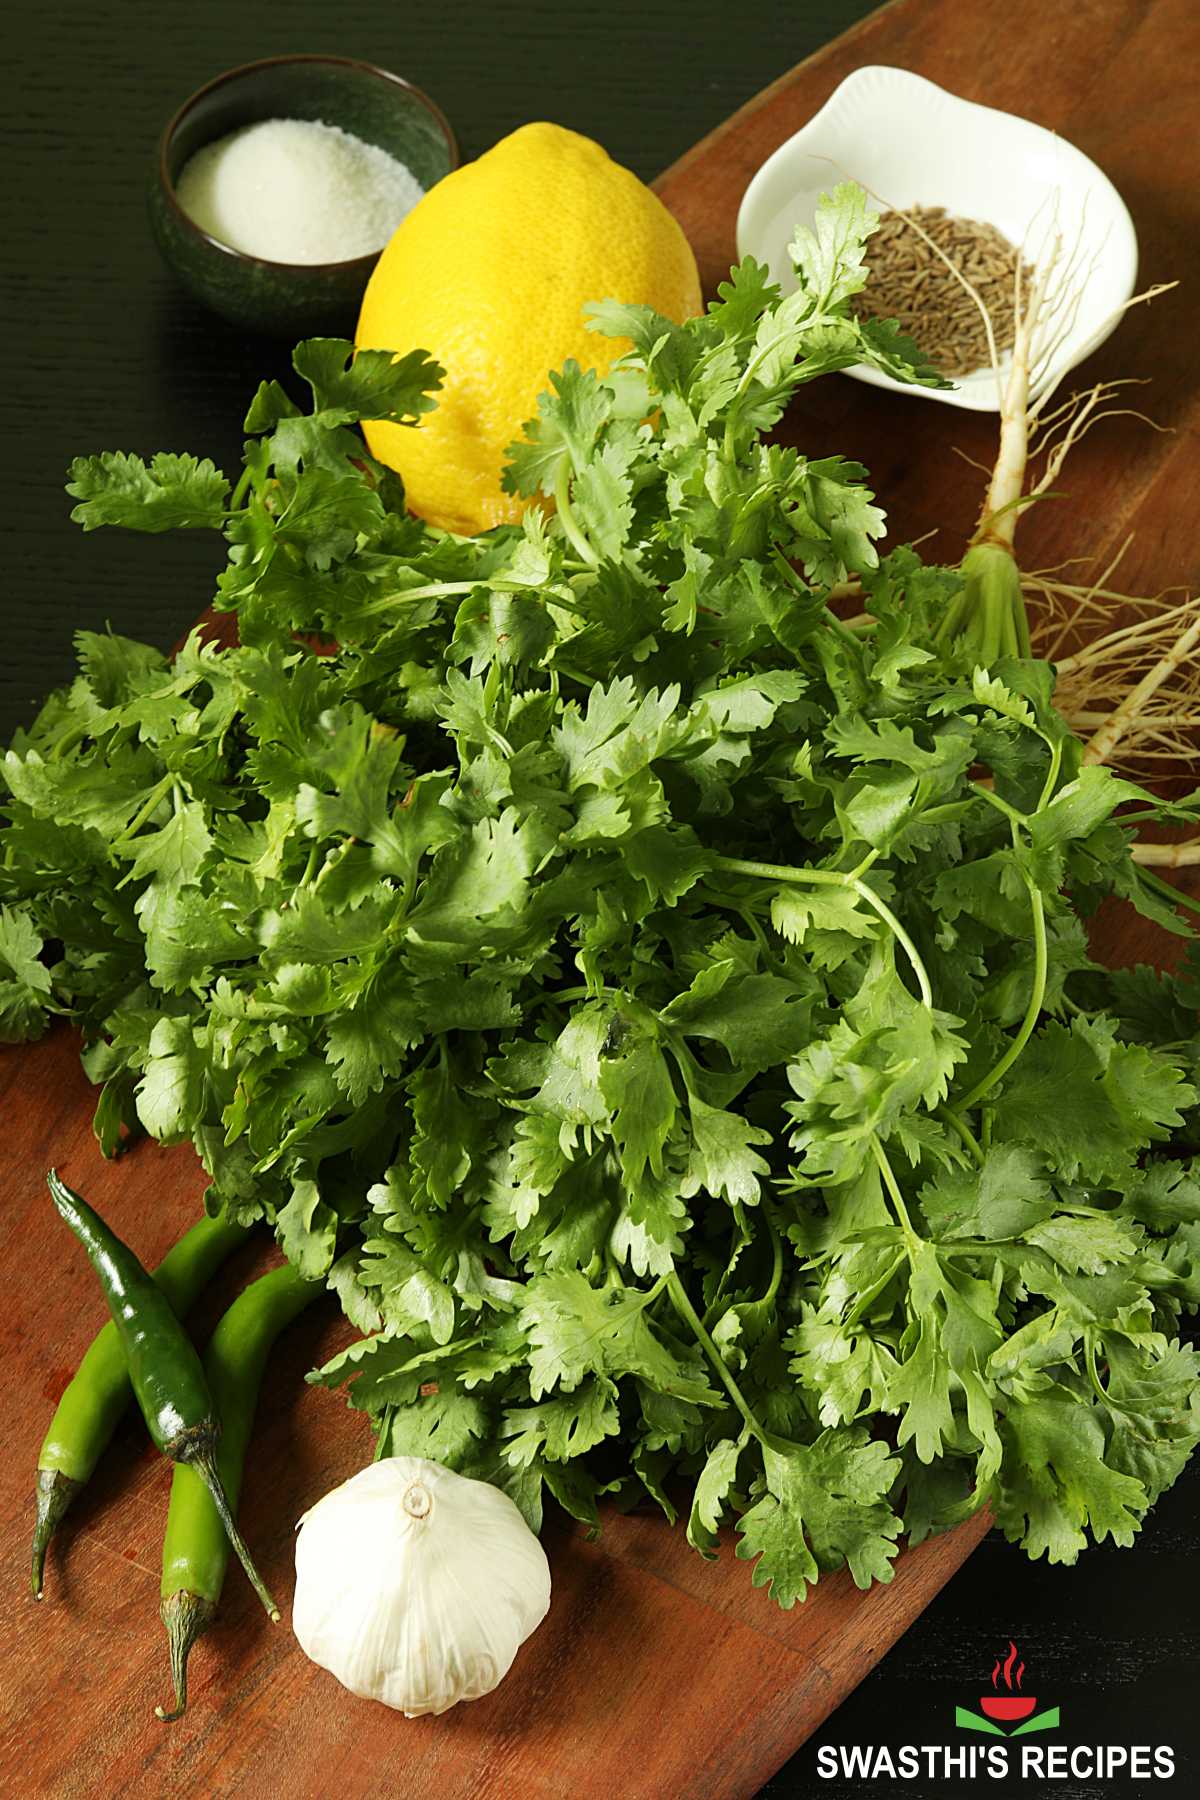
(346, 264)
(965, 394)
(1007, 1706)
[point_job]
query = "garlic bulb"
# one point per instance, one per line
(417, 1586)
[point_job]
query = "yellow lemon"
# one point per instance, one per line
(490, 273)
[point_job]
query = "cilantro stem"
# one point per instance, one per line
(384, 1433)
(783, 336)
(720, 1301)
(857, 873)
(1166, 814)
(570, 524)
(776, 1256)
(332, 860)
(1032, 1011)
(564, 995)
(691, 1318)
(1098, 1388)
(757, 933)
(910, 949)
(968, 1137)
(439, 590)
(897, 1198)
(937, 815)
(239, 492)
(1010, 812)
(429, 590)
(868, 1297)
(1177, 896)
(737, 865)
(70, 740)
(1051, 781)
(575, 675)
(157, 793)
(839, 626)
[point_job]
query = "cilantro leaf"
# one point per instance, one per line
(830, 256)
(712, 1491)
(1088, 1103)
(825, 1503)
(307, 1230)
(724, 1160)
(658, 1007)
(170, 493)
(576, 1330)
(1058, 1482)
(25, 985)
(367, 384)
(1001, 1200)
(562, 1427)
(170, 1093)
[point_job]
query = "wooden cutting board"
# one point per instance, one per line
(655, 1675)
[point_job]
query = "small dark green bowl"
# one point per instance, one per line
(289, 298)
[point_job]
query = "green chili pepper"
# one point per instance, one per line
(165, 1372)
(92, 1405)
(195, 1548)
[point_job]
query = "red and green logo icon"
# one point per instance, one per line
(1010, 1713)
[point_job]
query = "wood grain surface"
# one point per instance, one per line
(655, 1675)
(640, 1629)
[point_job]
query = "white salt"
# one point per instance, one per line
(297, 191)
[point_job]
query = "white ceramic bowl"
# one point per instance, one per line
(910, 143)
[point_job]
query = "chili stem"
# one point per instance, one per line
(186, 1616)
(204, 1462)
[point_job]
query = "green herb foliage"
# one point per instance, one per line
(660, 1010)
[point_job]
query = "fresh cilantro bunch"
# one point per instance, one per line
(659, 1009)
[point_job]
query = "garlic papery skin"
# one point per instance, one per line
(417, 1586)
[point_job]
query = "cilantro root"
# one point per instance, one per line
(659, 1009)
(1109, 690)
